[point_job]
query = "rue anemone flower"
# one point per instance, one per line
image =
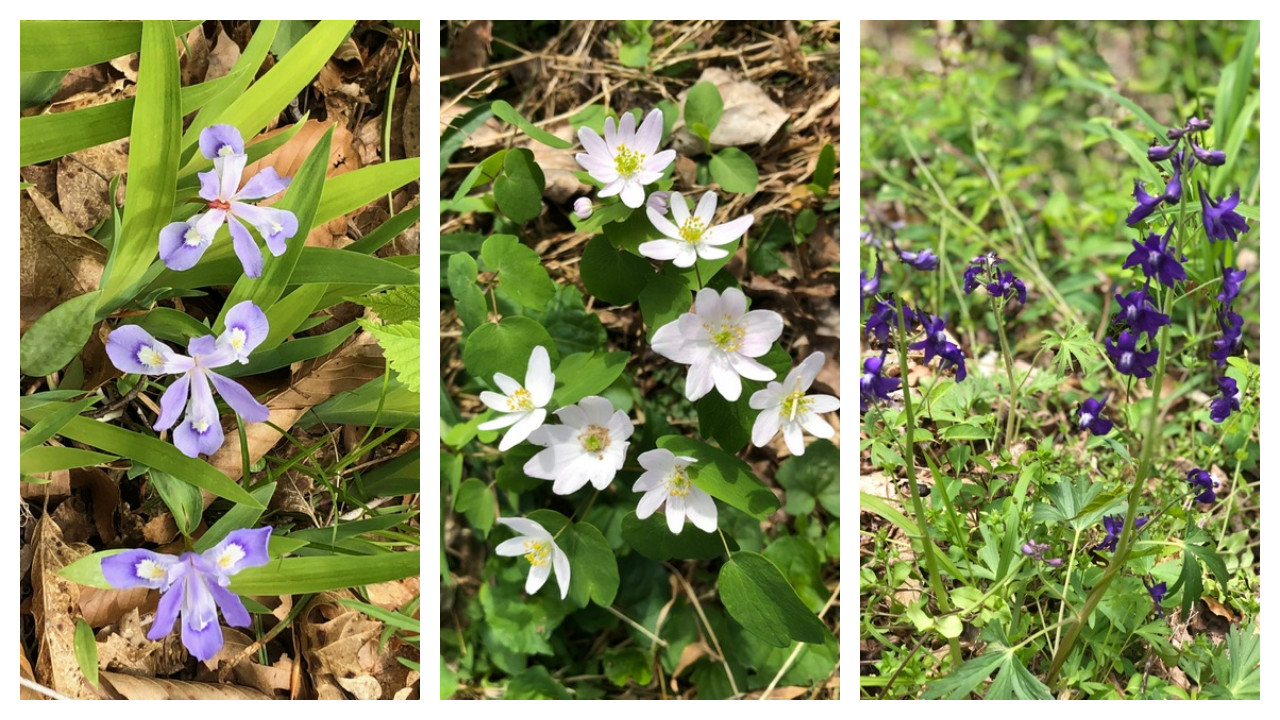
(1232, 338)
(133, 350)
(582, 208)
(522, 406)
(193, 586)
(589, 447)
(626, 159)
(1147, 203)
(1114, 525)
(935, 343)
(873, 385)
(1208, 157)
(666, 480)
(1128, 359)
(659, 201)
(1204, 481)
(182, 243)
(923, 260)
(692, 236)
(1091, 417)
(540, 549)
(869, 286)
(1220, 408)
(1232, 280)
(1221, 221)
(719, 340)
(1157, 259)
(1157, 590)
(788, 407)
(1138, 311)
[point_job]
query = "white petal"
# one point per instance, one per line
(706, 210)
(610, 134)
(662, 249)
(728, 232)
(816, 426)
(675, 514)
(750, 369)
(707, 304)
(763, 328)
(707, 252)
(574, 416)
(520, 431)
(627, 130)
(794, 438)
(561, 563)
(823, 403)
(526, 527)
(733, 302)
(632, 194)
(549, 464)
(700, 380)
(620, 427)
(771, 395)
(679, 209)
(657, 163)
(701, 510)
(660, 459)
(494, 401)
(599, 168)
(613, 188)
(648, 481)
(512, 547)
(591, 142)
(602, 474)
(571, 479)
(662, 224)
(726, 378)
(508, 384)
(765, 427)
(538, 379)
(598, 410)
(503, 420)
(650, 132)
(538, 575)
(686, 256)
(673, 342)
(809, 369)
(651, 501)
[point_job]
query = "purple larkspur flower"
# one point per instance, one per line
(1221, 221)
(1208, 157)
(873, 385)
(1091, 417)
(1157, 590)
(1232, 338)
(1037, 550)
(884, 315)
(193, 586)
(1157, 259)
(182, 243)
(1195, 124)
(982, 266)
(1155, 153)
(1128, 359)
(923, 260)
(1220, 408)
(1173, 188)
(1004, 284)
(935, 343)
(869, 286)
(1204, 481)
(1114, 525)
(1138, 311)
(1147, 203)
(133, 350)
(1232, 280)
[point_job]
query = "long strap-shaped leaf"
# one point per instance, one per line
(66, 44)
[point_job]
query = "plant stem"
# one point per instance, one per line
(1008, 366)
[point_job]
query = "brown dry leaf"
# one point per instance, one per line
(750, 116)
(195, 64)
(411, 122)
(342, 644)
(368, 141)
(272, 680)
(223, 57)
(692, 653)
(1218, 608)
(84, 178)
(25, 670)
(59, 485)
(73, 520)
(125, 647)
(161, 529)
(469, 50)
(54, 266)
(132, 687)
(395, 594)
(105, 494)
(128, 66)
(55, 604)
(100, 607)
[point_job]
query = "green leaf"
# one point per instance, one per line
(735, 171)
(755, 593)
(520, 271)
(48, 458)
(950, 626)
(228, 92)
(814, 476)
(615, 276)
(703, 105)
(395, 305)
(468, 299)
(1152, 124)
(504, 347)
(386, 232)
(518, 190)
(636, 55)
(535, 683)
(402, 345)
(38, 87)
(663, 300)
(586, 373)
(1235, 85)
(86, 648)
(53, 423)
(477, 502)
(367, 405)
(315, 265)
(594, 571)
(965, 679)
(723, 476)
(449, 680)
(182, 499)
(570, 324)
(653, 539)
(299, 575)
(459, 129)
(825, 171)
(58, 336)
(353, 190)
(67, 44)
(238, 517)
(503, 109)
(626, 665)
(486, 172)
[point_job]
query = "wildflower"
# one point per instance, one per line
(182, 243)
(133, 350)
(582, 208)
(1147, 204)
(1157, 259)
(1220, 408)
(666, 480)
(1205, 482)
(1091, 417)
(1221, 222)
(1208, 157)
(1195, 124)
(692, 236)
(869, 286)
(193, 586)
(522, 406)
(1173, 189)
(885, 316)
(1114, 525)
(1157, 592)
(1231, 282)
(923, 260)
(1156, 153)
(626, 159)
(787, 406)
(1005, 285)
(718, 340)
(1128, 359)
(1232, 326)
(873, 386)
(590, 446)
(659, 201)
(1037, 550)
(935, 343)
(978, 267)
(1138, 311)
(540, 549)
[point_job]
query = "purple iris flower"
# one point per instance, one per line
(935, 343)
(873, 386)
(1208, 157)
(1138, 311)
(133, 350)
(193, 586)
(1220, 407)
(1128, 359)
(1205, 482)
(1114, 525)
(1221, 221)
(1231, 282)
(1157, 592)
(869, 286)
(1157, 258)
(182, 243)
(1091, 417)
(1147, 204)
(1232, 326)
(923, 260)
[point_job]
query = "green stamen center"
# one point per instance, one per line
(794, 404)
(728, 337)
(627, 161)
(538, 552)
(594, 439)
(520, 400)
(692, 230)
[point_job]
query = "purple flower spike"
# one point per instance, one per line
(193, 586)
(1221, 221)
(1232, 326)
(1138, 311)
(1195, 124)
(1091, 417)
(1146, 204)
(1156, 153)
(1208, 157)
(1157, 259)
(1157, 592)
(1220, 408)
(885, 316)
(1128, 359)
(873, 386)
(1231, 282)
(1204, 481)
(1173, 189)
(923, 260)
(935, 343)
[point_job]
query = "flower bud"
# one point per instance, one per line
(660, 201)
(582, 208)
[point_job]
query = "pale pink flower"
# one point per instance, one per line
(626, 159)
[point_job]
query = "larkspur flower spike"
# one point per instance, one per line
(1202, 480)
(193, 586)
(626, 159)
(1221, 221)
(874, 387)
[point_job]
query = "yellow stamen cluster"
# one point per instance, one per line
(678, 484)
(692, 230)
(226, 150)
(794, 404)
(237, 338)
(538, 553)
(229, 557)
(520, 400)
(728, 337)
(627, 161)
(149, 570)
(594, 439)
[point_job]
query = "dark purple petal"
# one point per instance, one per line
(1195, 124)
(1173, 189)
(1221, 222)
(1161, 152)
(240, 399)
(221, 140)
(1208, 157)
(246, 249)
(172, 403)
(1146, 204)
(1231, 281)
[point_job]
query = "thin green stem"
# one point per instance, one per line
(1008, 366)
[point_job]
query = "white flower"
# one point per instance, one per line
(659, 200)
(582, 208)
(626, 159)
(717, 341)
(666, 479)
(590, 446)
(522, 406)
(692, 236)
(786, 405)
(540, 549)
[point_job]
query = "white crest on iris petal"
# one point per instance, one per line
(236, 337)
(192, 237)
(149, 570)
(231, 555)
(150, 356)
